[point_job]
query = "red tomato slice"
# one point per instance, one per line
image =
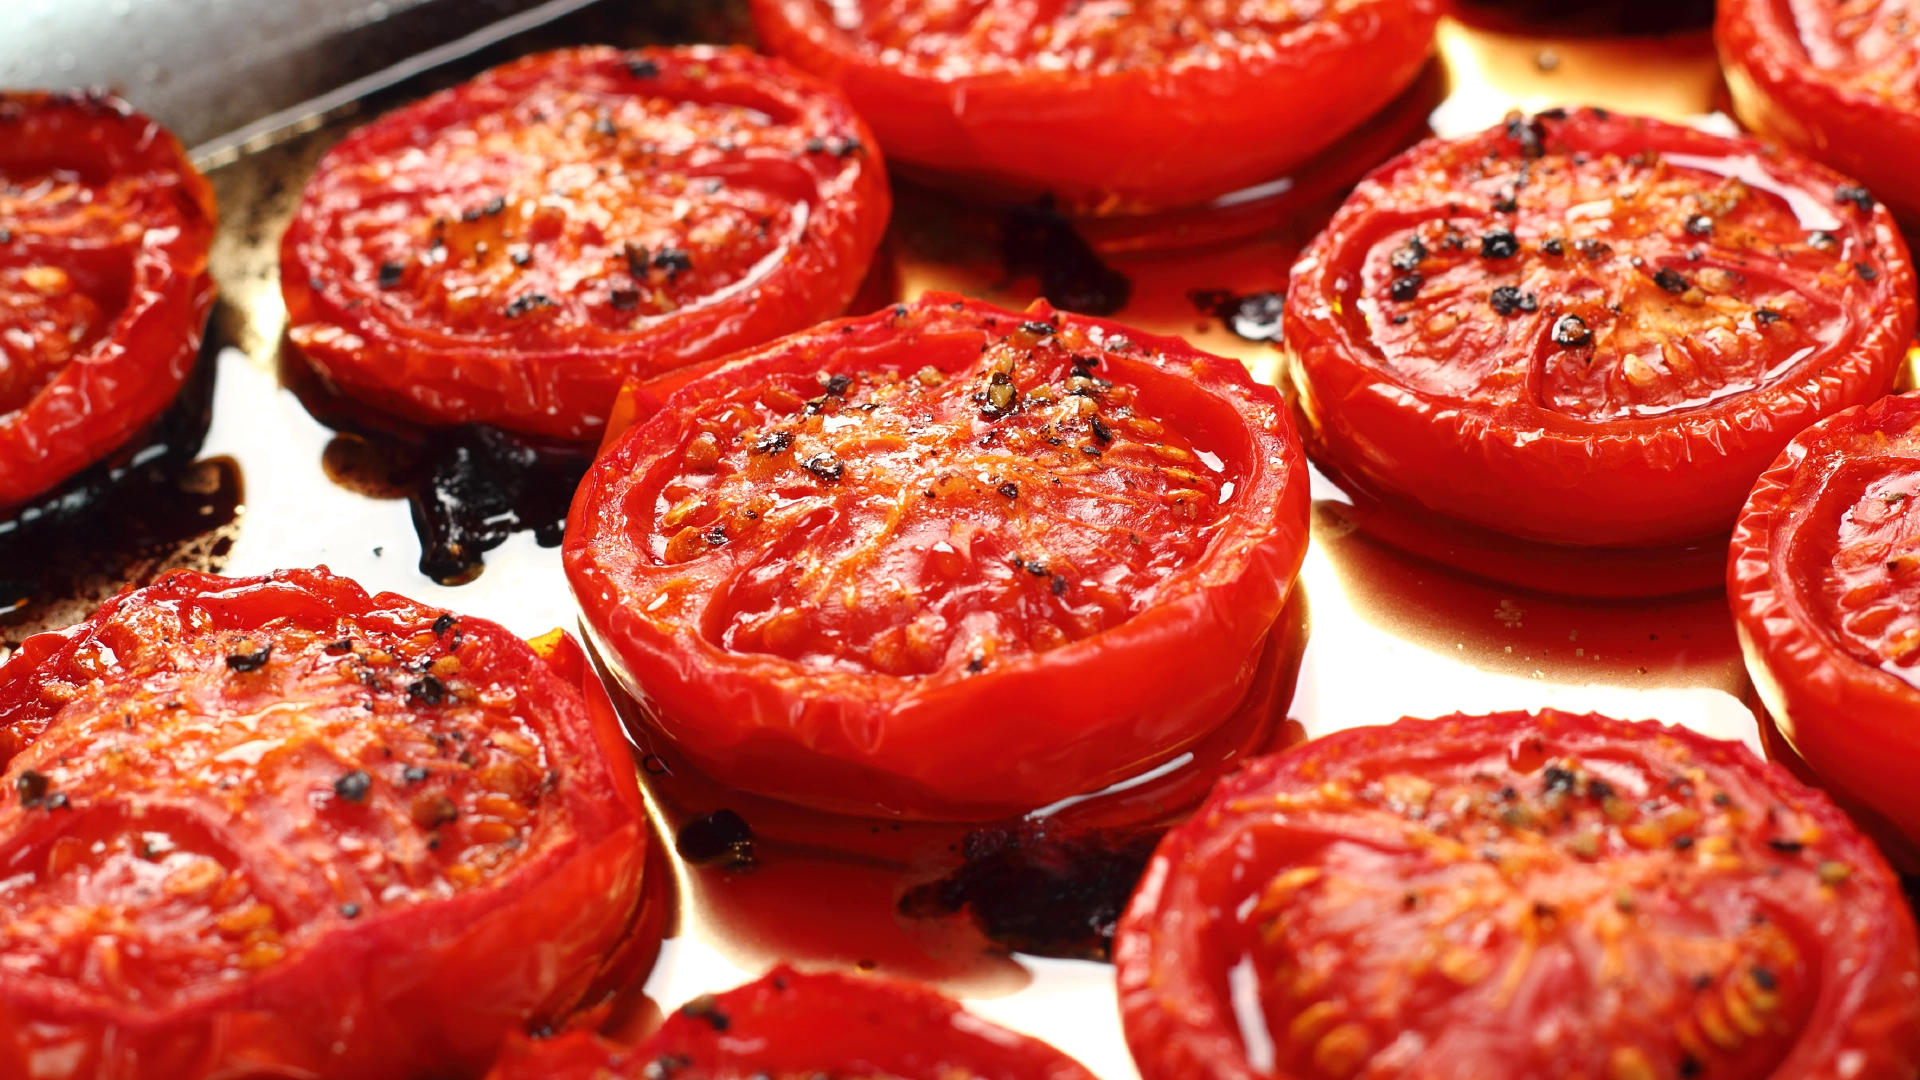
(104, 292)
(1590, 329)
(794, 1026)
(278, 826)
(1526, 897)
(1833, 81)
(1111, 107)
(511, 250)
(946, 561)
(1824, 579)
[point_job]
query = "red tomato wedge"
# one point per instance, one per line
(1590, 329)
(276, 826)
(104, 292)
(1833, 81)
(1824, 580)
(794, 1026)
(511, 250)
(945, 561)
(1524, 897)
(1110, 107)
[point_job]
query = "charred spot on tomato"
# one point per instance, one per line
(706, 1010)
(1507, 301)
(773, 442)
(1010, 489)
(1529, 133)
(427, 690)
(353, 787)
(440, 626)
(250, 660)
(1855, 195)
(1766, 316)
(1553, 245)
(1409, 255)
(1866, 271)
(1671, 280)
(837, 385)
(522, 304)
(643, 68)
(825, 467)
(1405, 288)
(624, 299)
(1699, 225)
(32, 787)
(392, 274)
(1571, 332)
(722, 838)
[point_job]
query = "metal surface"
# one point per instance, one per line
(1391, 635)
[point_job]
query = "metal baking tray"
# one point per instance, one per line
(262, 89)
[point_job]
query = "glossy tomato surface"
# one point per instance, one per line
(104, 293)
(794, 1026)
(1824, 579)
(276, 826)
(511, 250)
(1835, 81)
(1590, 329)
(1110, 107)
(1525, 897)
(945, 561)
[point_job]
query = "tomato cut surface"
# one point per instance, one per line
(1835, 81)
(511, 250)
(1591, 329)
(104, 292)
(1111, 107)
(1519, 896)
(276, 825)
(1824, 579)
(794, 1026)
(946, 560)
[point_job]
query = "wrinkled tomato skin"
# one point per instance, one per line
(983, 723)
(1505, 426)
(791, 1025)
(1423, 900)
(387, 988)
(104, 201)
(1843, 112)
(520, 288)
(1100, 131)
(1856, 723)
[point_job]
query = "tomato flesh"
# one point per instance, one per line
(794, 1026)
(1589, 329)
(510, 250)
(864, 537)
(241, 791)
(1523, 896)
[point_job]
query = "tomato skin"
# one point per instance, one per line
(1678, 901)
(394, 988)
(1125, 136)
(135, 247)
(505, 302)
(1853, 722)
(996, 721)
(1829, 112)
(794, 1024)
(1513, 457)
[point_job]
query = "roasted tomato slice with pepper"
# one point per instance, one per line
(794, 1026)
(1109, 106)
(511, 250)
(1590, 329)
(1835, 81)
(1520, 896)
(1824, 579)
(104, 291)
(276, 826)
(946, 561)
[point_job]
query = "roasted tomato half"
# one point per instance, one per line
(513, 249)
(1824, 579)
(1835, 81)
(791, 1026)
(946, 561)
(1590, 329)
(1109, 106)
(1524, 897)
(104, 292)
(276, 826)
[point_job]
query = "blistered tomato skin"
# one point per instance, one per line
(945, 561)
(511, 250)
(278, 826)
(104, 291)
(1833, 81)
(1591, 329)
(1111, 108)
(1822, 581)
(1521, 896)
(794, 1026)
